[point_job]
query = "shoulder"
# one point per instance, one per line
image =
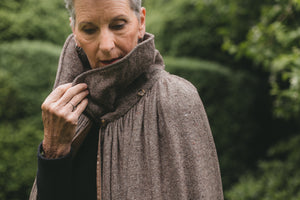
(172, 86)
(179, 106)
(176, 93)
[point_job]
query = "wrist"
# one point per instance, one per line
(55, 151)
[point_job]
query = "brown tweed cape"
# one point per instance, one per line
(155, 141)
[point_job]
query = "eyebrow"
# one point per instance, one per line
(113, 19)
(85, 23)
(118, 17)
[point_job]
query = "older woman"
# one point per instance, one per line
(117, 126)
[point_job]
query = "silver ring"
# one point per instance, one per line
(73, 107)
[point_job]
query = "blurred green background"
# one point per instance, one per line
(243, 56)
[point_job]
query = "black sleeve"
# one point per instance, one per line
(54, 177)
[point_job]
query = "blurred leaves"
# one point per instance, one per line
(18, 157)
(273, 43)
(185, 28)
(265, 33)
(276, 178)
(34, 20)
(27, 71)
(8, 97)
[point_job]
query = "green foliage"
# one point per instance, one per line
(274, 44)
(195, 28)
(8, 97)
(18, 157)
(27, 71)
(239, 16)
(278, 178)
(34, 20)
(237, 106)
(183, 30)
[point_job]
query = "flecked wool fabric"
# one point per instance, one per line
(155, 141)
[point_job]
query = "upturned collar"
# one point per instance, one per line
(115, 88)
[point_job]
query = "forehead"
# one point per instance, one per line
(103, 8)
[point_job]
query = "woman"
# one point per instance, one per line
(117, 126)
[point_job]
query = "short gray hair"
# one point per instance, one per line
(135, 5)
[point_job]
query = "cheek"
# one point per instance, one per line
(90, 49)
(87, 45)
(131, 41)
(83, 40)
(84, 43)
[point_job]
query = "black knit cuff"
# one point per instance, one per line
(54, 177)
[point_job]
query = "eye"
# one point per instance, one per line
(118, 25)
(89, 30)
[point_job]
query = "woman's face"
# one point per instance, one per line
(107, 30)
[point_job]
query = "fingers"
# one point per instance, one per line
(65, 99)
(57, 93)
(75, 107)
(78, 98)
(75, 93)
(80, 107)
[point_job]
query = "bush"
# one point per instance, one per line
(18, 157)
(277, 178)
(197, 29)
(273, 44)
(34, 20)
(183, 28)
(27, 72)
(239, 111)
(10, 104)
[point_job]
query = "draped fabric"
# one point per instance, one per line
(154, 141)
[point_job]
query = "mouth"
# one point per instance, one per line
(108, 62)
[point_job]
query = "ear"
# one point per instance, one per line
(74, 32)
(142, 26)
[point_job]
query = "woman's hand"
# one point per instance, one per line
(60, 113)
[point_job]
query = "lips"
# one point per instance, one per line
(108, 62)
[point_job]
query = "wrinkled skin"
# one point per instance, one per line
(60, 118)
(107, 30)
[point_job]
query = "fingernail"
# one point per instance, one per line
(84, 85)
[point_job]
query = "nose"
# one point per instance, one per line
(106, 41)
